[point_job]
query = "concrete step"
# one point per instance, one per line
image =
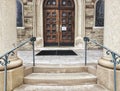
(59, 69)
(60, 78)
(94, 87)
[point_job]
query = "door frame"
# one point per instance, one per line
(59, 41)
(79, 23)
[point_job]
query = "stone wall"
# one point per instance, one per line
(27, 30)
(95, 33)
(90, 30)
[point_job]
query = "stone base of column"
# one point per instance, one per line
(14, 78)
(106, 77)
(108, 64)
(14, 63)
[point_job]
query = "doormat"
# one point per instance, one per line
(56, 52)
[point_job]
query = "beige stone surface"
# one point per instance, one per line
(112, 25)
(60, 78)
(57, 69)
(15, 78)
(105, 77)
(108, 64)
(61, 88)
(8, 33)
(14, 63)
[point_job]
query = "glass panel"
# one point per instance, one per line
(49, 2)
(54, 2)
(53, 31)
(69, 3)
(69, 26)
(48, 31)
(63, 2)
(69, 37)
(63, 36)
(99, 13)
(48, 37)
(64, 14)
(54, 14)
(19, 14)
(63, 20)
(48, 25)
(48, 14)
(48, 20)
(54, 26)
(54, 37)
(70, 14)
(53, 20)
(69, 20)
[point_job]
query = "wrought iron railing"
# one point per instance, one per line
(115, 57)
(5, 58)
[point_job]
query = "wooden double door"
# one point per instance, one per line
(58, 22)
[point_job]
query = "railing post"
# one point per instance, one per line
(33, 39)
(5, 73)
(86, 39)
(114, 60)
(5, 58)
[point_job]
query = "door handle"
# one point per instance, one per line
(57, 28)
(60, 27)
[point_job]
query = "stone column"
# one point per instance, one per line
(112, 41)
(111, 29)
(8, 37)
(7, 25)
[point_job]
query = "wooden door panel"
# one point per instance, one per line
(51, 4)
(66, 26)
(51, 23)
(58, 22)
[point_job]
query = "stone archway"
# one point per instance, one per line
(79, 23)
(58, 22)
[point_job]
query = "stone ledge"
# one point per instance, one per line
(106, 63)
(14, 63)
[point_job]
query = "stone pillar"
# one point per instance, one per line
(7, 25)
(8, 38)
(112, 41)
(112, 25)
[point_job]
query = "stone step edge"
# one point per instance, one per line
(27, 87)
(60, 78)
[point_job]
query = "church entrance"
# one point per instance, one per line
(59, 22)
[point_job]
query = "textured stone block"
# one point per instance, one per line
(106, 77)
(14, 78)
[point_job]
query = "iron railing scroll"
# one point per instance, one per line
(6, 61)
(115, 57)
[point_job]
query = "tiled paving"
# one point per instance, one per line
(93, 56)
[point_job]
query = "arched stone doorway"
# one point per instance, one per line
(79, 23)
(58, 22)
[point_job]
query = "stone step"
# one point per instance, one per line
(59, 69)
(93, 87)
(60, 78)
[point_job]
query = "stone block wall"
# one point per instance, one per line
(95, 33)
(27, 30)
(90, 29)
